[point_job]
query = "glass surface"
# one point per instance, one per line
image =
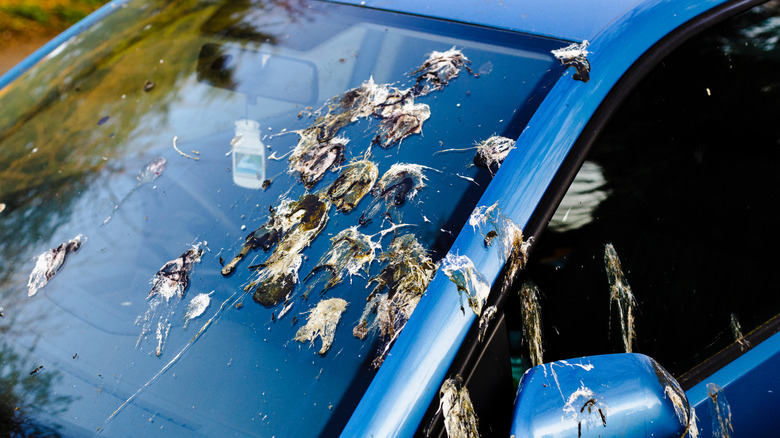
(219, 90)
(683, 183)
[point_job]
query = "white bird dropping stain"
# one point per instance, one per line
(532, 321)
(50, 262)
(462, 272)
(322, 323)
(460, 421)
(575, 55)
(620, 296)
(197, 306)
(720, 411)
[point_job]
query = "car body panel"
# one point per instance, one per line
(407, 383)
(750, 392)
(569, 20)
(614, 395)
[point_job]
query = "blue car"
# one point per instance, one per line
(393, 218)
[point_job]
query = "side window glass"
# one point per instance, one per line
(684, 185)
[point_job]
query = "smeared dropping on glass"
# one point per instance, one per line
(283, 218)
(491, 152)
(531, 313)
(401, 123)
(312, 158)
(174, 277)
(485, 69)
(484, 321)
(399, 183)
(575, 55)
(168, 287)
(720, 411)
(736, 330)
(438, 70)
(49, 263)
(149, 173)
(355, 181)
(298, 224)
(170, 363)
(406, 273)
(461, 271)
(197, 306)
(350, 252)
(620, 296)
(152, 170)
(319, 148)
(371, 99)
(265, 237)
(460, 420)
(163, 328)
(322, 322)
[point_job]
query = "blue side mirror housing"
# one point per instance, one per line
(615, 395)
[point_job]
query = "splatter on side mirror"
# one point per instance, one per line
(612, 395)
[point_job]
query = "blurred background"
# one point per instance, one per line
(25, 25)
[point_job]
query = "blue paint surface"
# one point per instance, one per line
(404, 387)
(751, 385)
(614, 395)
(571, 20)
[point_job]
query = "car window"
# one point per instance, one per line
(209, 209)
(664, 242)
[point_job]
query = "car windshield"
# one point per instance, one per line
(215, 217)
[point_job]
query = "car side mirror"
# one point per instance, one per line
(615, 395)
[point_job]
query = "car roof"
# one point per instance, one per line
(565, 19)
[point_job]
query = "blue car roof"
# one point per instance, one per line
(567, 19)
